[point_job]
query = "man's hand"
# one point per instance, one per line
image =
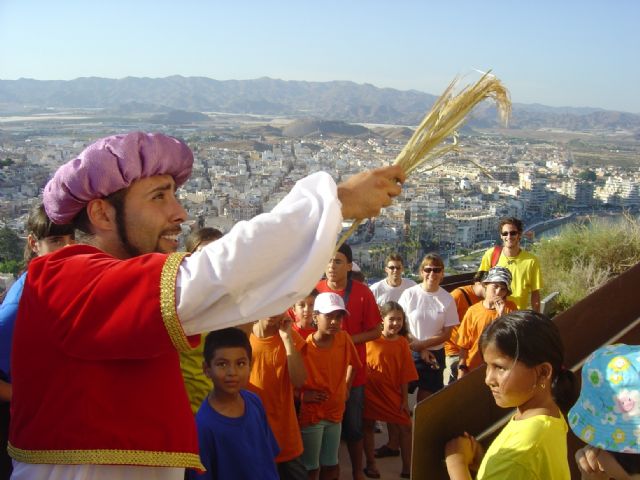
(364, 194)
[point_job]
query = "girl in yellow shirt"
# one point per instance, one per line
(524, 356)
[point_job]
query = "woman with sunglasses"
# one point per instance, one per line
(431, 314)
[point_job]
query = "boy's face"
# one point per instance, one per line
(338, 268)
(329, 323)
(229, 369)
(494, 290)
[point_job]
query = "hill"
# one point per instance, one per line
(179, 117)
(338, 100)
(314, 127)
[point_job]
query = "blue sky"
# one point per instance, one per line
(558, 53)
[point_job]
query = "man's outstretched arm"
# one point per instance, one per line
(264, 265)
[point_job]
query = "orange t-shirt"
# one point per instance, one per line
(389, 366)
(477, 317)
(303, 332)
(462, 305)
(270, 381)
(327, 371)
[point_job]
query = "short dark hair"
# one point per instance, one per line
(225, 338)
(346, 251)
(511, 221)
(205, 234)
(532, 338)
(393, 257)
(40, 226)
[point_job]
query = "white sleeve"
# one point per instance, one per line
(405, 301)
(264, 265)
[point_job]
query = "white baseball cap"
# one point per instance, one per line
(329, 302)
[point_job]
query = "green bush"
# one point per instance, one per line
(11, 266)
(585, 256)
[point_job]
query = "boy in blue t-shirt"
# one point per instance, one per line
(235, 439)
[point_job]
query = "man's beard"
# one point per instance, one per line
(117, 200)
(124, 238)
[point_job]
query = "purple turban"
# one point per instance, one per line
(111, 164)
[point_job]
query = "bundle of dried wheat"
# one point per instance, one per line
(445, 117)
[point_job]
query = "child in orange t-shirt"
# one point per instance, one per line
(276, 369)
(465, 297)
(330, 358)
(390, 368)
(497, 286)
(302, 315)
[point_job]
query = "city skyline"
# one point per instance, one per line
(577, 54)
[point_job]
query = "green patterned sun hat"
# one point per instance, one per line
(607, 414)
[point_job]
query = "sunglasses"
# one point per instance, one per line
(511, 233)
(393, 267)
(432, 269)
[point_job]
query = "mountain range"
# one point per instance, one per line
(337, 100)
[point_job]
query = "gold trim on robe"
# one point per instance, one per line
(107, 457)
(168, 301)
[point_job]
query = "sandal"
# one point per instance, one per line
(385, 451)
(371, 473)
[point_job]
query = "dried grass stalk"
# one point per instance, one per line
(447, 114)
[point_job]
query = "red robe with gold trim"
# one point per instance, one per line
(96, 375)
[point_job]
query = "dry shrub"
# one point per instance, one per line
(585, 256)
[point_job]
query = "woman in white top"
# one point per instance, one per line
(431, 313)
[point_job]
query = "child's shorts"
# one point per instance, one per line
(321, 443)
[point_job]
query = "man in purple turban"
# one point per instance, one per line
(97, 388)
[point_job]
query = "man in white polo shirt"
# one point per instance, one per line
(390, 288)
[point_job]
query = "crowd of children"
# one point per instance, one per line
(281, 393)
(301, 365)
